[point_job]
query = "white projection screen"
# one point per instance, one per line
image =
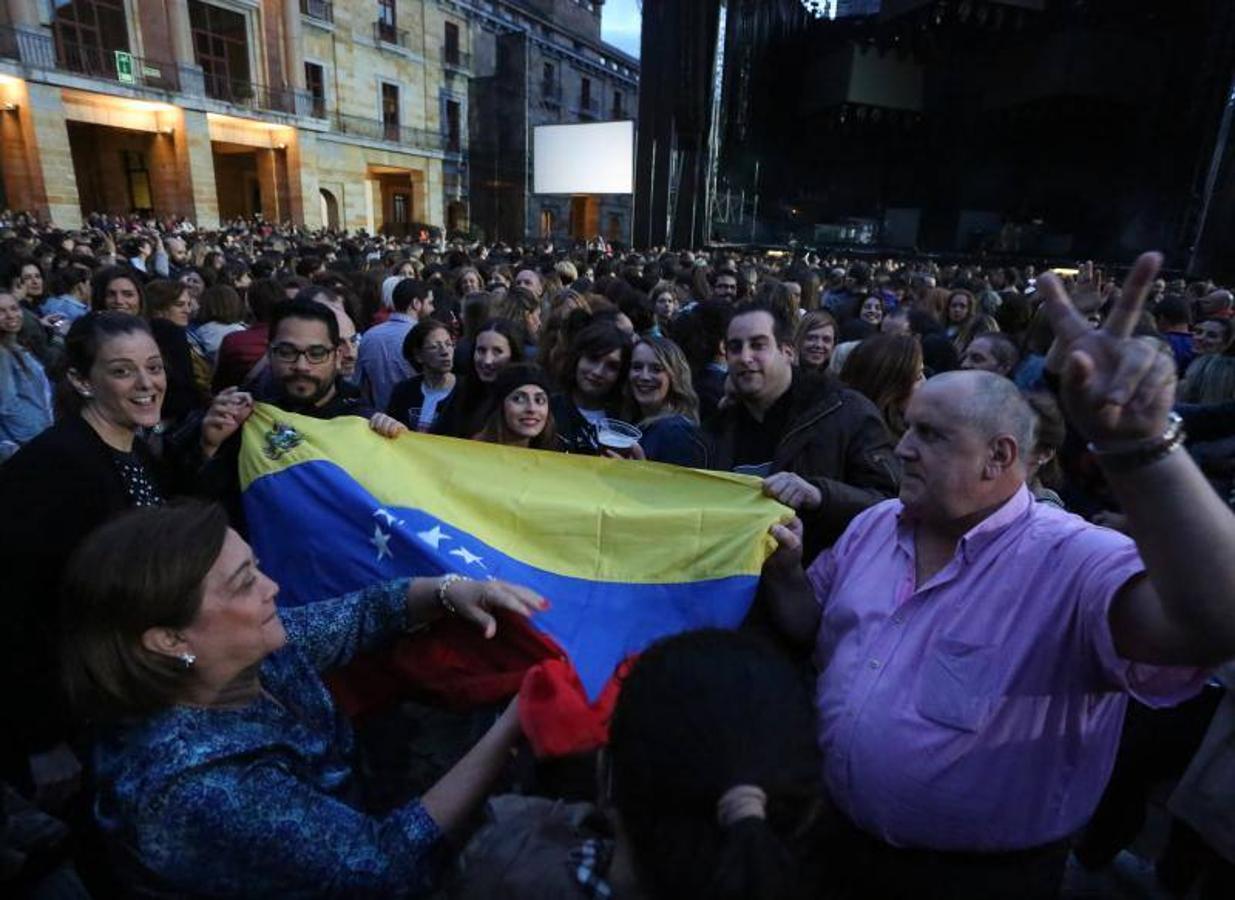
(592, 158)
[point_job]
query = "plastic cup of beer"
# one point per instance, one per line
(618, 436)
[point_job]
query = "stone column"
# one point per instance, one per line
(293, 57)
(192, 81)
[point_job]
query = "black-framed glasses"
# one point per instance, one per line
(289, 353)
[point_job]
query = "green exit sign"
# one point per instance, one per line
(124, 68)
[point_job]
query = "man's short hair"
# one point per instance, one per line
(407, 292)
(1002, 348)
(995, 406)
(782, 327)
(310, 310)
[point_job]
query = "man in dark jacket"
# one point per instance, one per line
(821, 448)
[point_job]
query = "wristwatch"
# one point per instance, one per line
(1143, 453)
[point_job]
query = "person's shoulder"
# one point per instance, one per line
(1051, 527)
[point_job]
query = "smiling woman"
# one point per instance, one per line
(91, 464)
(222, 764)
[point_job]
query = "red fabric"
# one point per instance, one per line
(555, 713)
(450, 665)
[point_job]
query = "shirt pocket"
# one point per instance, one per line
(954, 688)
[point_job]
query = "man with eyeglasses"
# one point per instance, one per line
(304, 353)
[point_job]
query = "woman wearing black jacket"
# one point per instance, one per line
(499, 343)
(430, 350)
(91, 464)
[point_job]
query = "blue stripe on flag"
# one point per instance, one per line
(319, 534)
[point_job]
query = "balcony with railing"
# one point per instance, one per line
(385, 33)
(251, 95)
(395, 133)
(322, 10)
(551, 93)
(454, 58)
(589, 107)
(48, 51)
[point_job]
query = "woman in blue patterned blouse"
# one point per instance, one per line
(222, 767)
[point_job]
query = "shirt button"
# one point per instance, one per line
(874, 664)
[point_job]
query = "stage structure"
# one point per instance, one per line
(1061, 128)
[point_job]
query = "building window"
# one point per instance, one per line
(451, 47)
(617, 105)
(94, 24)
(137, 177)
(390, 111)
(387, 22)
(315, 81)
(547, 217)
(587, 105)
(454, 140)
(221, 45)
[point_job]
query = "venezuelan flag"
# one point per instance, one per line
(626, 552)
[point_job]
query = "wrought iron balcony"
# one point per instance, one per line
(385, 33)
(322, 10)
(394, 133)
(551, 92)
(589, 106)
(251, 95)
(455, 58)
(48, 51)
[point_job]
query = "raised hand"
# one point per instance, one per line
(1117, 389)
(228, 411)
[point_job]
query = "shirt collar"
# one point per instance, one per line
(982, 535)
(401, 317)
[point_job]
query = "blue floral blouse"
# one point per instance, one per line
(262, 801)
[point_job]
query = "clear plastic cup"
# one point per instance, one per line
(618, 436)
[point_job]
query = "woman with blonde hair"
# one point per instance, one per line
(1210, 379)
(815, 340)
(660, 397)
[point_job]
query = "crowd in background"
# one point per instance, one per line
(131, 352)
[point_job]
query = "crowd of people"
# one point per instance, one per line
(1005, 573)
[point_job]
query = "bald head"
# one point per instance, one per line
(990, 404)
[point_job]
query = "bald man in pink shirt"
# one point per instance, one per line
(976, 649)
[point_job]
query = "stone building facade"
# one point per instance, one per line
(540, 62)
(350, 114)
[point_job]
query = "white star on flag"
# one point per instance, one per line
(388, 516)
(434, 537)
(467, 556)
(380, 540)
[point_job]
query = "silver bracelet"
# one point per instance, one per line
(447, 580)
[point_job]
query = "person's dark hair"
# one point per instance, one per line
(700, 714)
(516, 304)
(476, 310)
(495, 430)
(1049, 434)
(66, 278)
(782, 327)
(301, 308)
(106, 276)
(145, 569)
(263, 296)
(408, 291)
(1173, 309)
(161, 295)
(700, 332)
(220, 303)
(1002, 348)
(595, 340)
(86, 337)
(415, 339)
(885, 368)
(514, 334)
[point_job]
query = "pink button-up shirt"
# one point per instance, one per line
(980, 711)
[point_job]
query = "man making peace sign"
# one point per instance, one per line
(976, 649)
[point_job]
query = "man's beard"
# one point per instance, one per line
(291, 401)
